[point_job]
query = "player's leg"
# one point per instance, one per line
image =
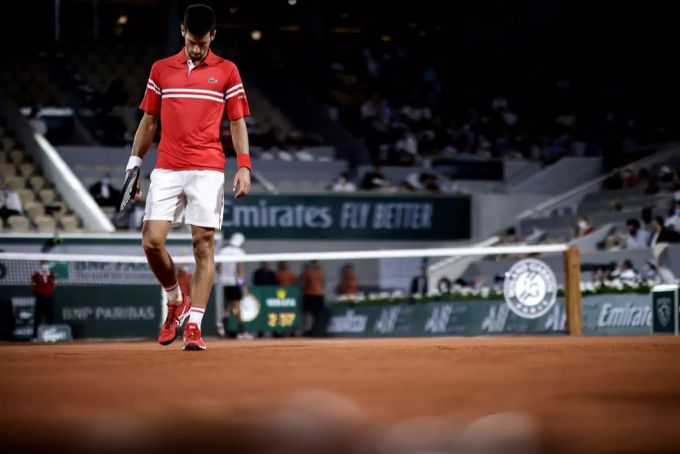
(154, 235)
(201, 284)
(204, 190)
(203, 240)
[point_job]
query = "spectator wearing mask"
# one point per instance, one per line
(659, 274)
(626, 273)
(637, 238)
(673, 222)
(661, 234)
(344, 184)
(10, 203)
(584, 227)
(104, 193)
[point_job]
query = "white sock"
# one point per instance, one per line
(173, 293)
(196, 315)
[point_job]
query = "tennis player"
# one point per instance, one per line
(189, 92)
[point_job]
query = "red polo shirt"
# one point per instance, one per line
(191, 100)
(43, 284)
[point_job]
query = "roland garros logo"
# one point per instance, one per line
(530, 288)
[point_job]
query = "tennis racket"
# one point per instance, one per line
(129, 188)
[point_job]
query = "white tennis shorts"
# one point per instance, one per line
(195, 197)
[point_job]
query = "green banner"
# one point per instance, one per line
(342, 217)
(270, 309)
(665, 307)
(627, 314)
(105, 311)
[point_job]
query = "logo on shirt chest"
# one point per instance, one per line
(212, 80)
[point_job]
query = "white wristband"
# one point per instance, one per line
(134, 161)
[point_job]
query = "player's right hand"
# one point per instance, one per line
(138, 189)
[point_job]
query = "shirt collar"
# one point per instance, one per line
(209, 60)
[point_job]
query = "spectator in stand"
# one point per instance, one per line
(673, 222)
(626, 274)
(10, 203)
(661, 234)
(659, 274)
(584, 227)
(637, 238)
(264, 275)
(104, 193)
(312, 295)
(349, 282)
(344, 184)
(284, 275)
(373, 180)
(43, 283)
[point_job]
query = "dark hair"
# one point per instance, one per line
(199, 19)
(633, 222)
(659, 220)
(628, 263)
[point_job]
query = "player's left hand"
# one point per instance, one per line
(241, 182)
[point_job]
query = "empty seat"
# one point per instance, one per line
(16, 157)
(26, 196)
(16, 183)
(33, 210)
(45, 224)
(18, 224)
(26, 170)
(47, 196)
(69, 224)
(8, 143)
(7, 171)
(37, 182)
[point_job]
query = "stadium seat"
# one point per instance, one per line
(16, 157)
(37, 182)
(7, 171)
(18, 224)
(16, 183)
(26, 170)
(33, 210)
(8, 143)
(26, 196)
(69, 224)
(47, 196)
(45, 224)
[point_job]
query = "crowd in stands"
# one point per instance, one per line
(403, 114)
(27, 201)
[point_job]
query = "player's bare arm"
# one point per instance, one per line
(146, 131)
(239, 134)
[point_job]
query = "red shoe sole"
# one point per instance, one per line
(194, 347)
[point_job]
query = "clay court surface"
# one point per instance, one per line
(583, 394)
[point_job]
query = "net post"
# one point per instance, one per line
(572, 290)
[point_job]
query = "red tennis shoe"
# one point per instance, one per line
(177, 314)
(192, 338)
